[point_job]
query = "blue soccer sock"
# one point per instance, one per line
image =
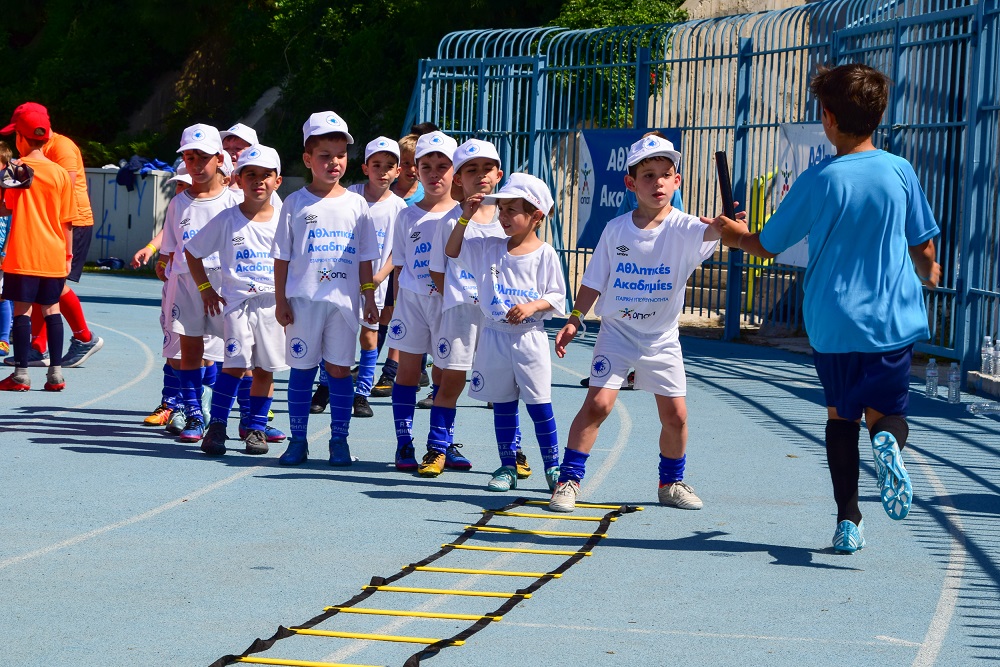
(259, 407)
(6, 319)
(366, 373)
(243, 399)
(389, 369)
(209, 374)
(171, 394)
(223, 395)
(545, 432)
(439, 438)
(300, 391)
(505, 425)
(574, 466)
(404, 404)
(341, 405)
(324, 379)
(671, 470)
(191, 390)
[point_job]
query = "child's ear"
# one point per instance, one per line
(629, 183)
(277, 182)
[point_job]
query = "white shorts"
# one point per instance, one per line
(187, 310)
(361, 312)
(254, 339)
(172, 341)
(456, 337)
(320, 331)
(414, 322)
(512, 362)
(658, 363)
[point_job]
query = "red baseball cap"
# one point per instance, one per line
(30, 120)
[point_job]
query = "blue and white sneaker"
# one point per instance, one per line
(36, 359)
(454, 460)
(340, 452)
(849, 538)
(79, 351)
(193, 431)
(893, 480)
(296, 454)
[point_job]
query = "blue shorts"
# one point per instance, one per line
(853, 381)
(32, 289)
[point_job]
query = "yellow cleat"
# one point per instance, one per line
(161, 415)
(432, 465)
(523, 469)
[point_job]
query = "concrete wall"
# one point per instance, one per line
(707, 9)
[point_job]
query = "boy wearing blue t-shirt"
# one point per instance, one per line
(871, 246)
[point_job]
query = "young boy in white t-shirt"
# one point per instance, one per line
(418, 299)
(381, 167)
(520, 284)
(254, 341)
(323, 252)
(187, 213)
(639, 270)
(477, 172)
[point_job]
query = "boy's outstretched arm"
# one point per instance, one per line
(924, 258)
(368, 291)
(736, 234)
(585, 299)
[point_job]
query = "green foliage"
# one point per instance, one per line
(579, 14)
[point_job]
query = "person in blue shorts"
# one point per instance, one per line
(871, 247)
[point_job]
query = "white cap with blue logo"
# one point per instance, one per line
(381, 145)
(201, 137)
(325, 122)
(435, 142)
(260, 155)
(526, 187)
(475, 148)
(653, 146)
(244, 132)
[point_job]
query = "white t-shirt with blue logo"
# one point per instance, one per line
(186, 216)
(412, 243)
(861, 211)
(324, 239)
(505, 280)
(383, 215)
(641, 273)
(244, 250)
(459, 282)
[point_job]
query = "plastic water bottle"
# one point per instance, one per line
(996, 357)
(984, 408)
(986, 352)
(932, 378)
(954, 384)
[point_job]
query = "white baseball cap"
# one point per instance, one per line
(325, 122)
(653, 146)
(201, 137)
(244, 132)
(259, 155)
(181, 175)
(475, 148)
(527, 187)
(227, 164)
(435, 142)
(381, 145)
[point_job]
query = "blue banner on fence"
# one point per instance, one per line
(602, 178)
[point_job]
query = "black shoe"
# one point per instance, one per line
(361, 407)
(382, 388)
(424, 380)
(320, 399)
(427, 402)
(214, 442)
(585, 382)
(255, 443)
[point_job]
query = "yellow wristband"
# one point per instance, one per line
(162, 262)
(152, 248)
(204, 286)
(577, 314)
(463, 222)
(367, 286)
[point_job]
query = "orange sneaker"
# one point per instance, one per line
(161, 415)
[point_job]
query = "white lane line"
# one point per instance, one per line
(937, 629)
(881, 639)
(500, 561)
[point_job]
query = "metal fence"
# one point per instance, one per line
(727, 84)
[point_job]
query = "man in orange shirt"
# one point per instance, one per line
(39, 247)
(63, 151)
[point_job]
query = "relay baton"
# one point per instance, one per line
(725, 185)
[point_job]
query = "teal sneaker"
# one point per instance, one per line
(504, 479)
(552, 477)
(849, 538)
(893, 480)
(340, 452)
(296, 454)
